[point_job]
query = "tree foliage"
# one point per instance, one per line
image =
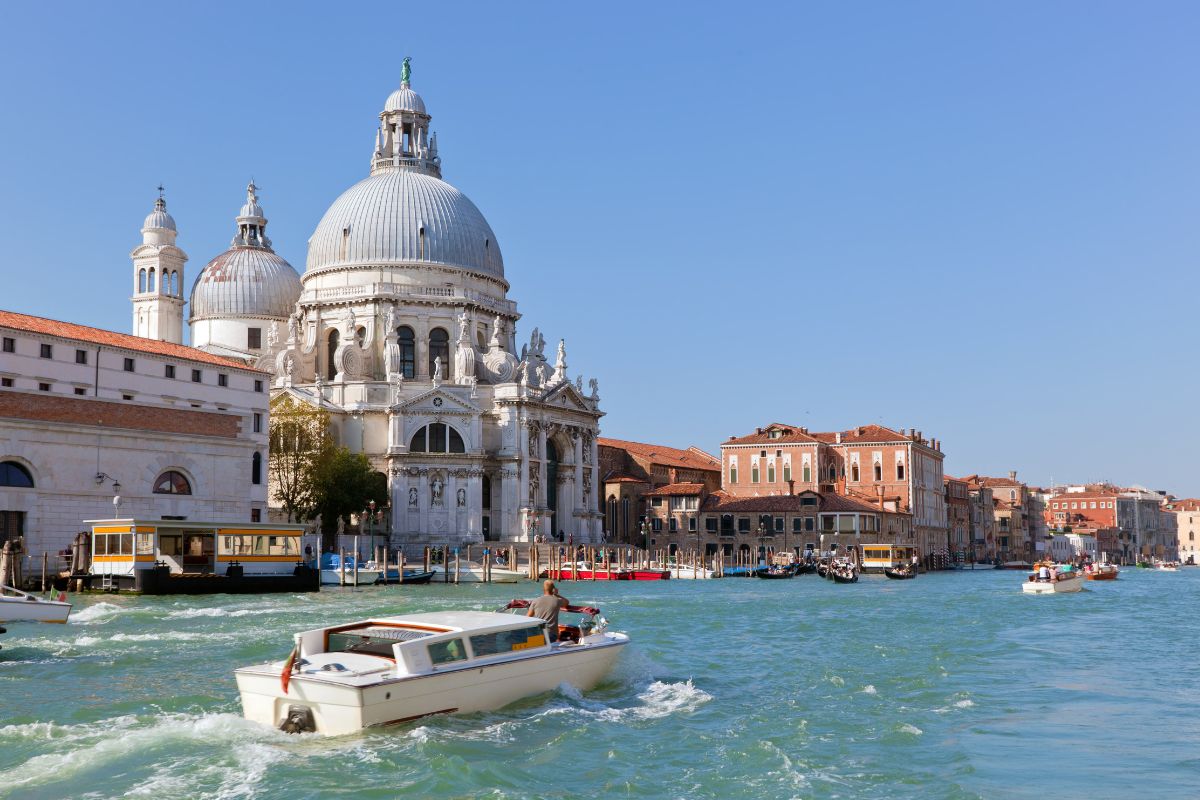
(344, 484)
(300, 440)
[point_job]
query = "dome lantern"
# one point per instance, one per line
(403, 140)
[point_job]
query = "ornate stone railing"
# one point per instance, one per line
(400, 291)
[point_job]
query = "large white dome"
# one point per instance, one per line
(402, 216)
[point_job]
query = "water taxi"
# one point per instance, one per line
(388, 670)
(1062, 580)
(336, 571)
(1102, 572)
(18, 606)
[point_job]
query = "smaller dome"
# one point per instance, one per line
(245, 282)
(404, 99)
(159, 219)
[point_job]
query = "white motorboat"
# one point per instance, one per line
(365, 577)
(472, 572)
(1071, 583)
(18, 606)
(388, 670)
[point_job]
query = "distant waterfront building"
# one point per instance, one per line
(983, 521)
(689, 516)
(629, 470)
(182, 431)
(871, 463)
(1187, 528)
(958, 520)
(1010, 500)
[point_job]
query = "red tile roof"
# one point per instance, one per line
(1186, 504)
(692, 458)
(720, 501)
(623, 477)
(872, 434)
(983, 480)
(83, 333)
(788, 434)
(677, 489)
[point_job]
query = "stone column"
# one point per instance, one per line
(422, 334)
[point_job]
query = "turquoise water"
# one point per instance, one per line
(948, 686)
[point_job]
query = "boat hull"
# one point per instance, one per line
(333, 577)
(1064, 586)
(650, 575)
(339, 709)
(20, 609)
(899, 575)
(475, 575)
(586, 575)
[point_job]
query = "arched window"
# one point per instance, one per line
(854, 472)
(174, 282)
(256, 469)
(437, 437)
(172, 482)
(833, 472)
(479, 340)
(485, 484)
(806, 471)
(331, 366)
(141, 280)
(407, 342)
(439, 346)
(360, 336)
(150, 284)
(770, 472)
(15, 475)
(878, 471)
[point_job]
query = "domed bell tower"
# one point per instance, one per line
(158, 278)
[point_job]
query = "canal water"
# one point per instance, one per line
(953, 685)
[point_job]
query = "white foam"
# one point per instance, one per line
(837, 680)
(176, 636)
(869, 689)
(192, 613)
(662, 700)
(910, 729)
(86, 641)
(100, 612)
(964, 704)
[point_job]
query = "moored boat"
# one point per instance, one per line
(336, 572)
(18, 606)
(899, 574)
(392, 575)
(472, 572)
(775, 572)
(584, 571)
(387, 670)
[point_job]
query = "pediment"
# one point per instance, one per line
(566, 396)
(438, 401)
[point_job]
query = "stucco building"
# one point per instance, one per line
(630, 470)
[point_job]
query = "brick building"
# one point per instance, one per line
(1187, 528)
(960, 542)
(1010, 501)
(871, 464)
(629, 470)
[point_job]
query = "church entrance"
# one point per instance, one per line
(552, 485)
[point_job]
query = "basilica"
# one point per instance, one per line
(402, 329)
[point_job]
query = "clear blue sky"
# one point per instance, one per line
(977, 219)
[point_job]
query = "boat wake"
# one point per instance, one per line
(101, 612)
(213, 755)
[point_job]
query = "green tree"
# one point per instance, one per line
(300, 440)
(343, 484)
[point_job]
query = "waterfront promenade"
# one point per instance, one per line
(954, 685)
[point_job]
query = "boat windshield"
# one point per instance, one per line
(372, 640)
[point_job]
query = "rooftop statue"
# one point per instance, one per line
(406, 70)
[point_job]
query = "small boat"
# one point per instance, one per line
(1015, 565)
(18, 606)
(410, 576)
(335, 573)
(649, 574)
(472, 572)
(583, 571)
(774, 573)
(684, 572)
(844, 576)
(897, 574)
(1103, 572)
(1074, 583)
(1166, 566)
(387, 670)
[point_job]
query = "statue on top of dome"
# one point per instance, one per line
(494, 344)
(405, 70)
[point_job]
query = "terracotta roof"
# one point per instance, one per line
(867, 434)
(1085, 496)
(83, 333)
(1186, 504)
(788, 434)
(623, 477)
(983, 480)
(692, 458)
(720, 501)
(677, 489)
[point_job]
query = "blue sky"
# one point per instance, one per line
(976, 219)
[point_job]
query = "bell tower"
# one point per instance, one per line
(158, 278)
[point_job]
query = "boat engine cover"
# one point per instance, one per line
(299, 719)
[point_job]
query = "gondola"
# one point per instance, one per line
(776, 573)
(805, 568)
(410, 576)
(899, 574)
(840, 578)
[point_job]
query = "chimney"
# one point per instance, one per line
(758, 430)
(879, 491)
(837, 437)
(791, 488)
(1012, 475)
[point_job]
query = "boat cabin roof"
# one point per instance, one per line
(469, 622)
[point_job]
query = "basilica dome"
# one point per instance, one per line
(404, 213)
(402, 216)
(248, 279)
